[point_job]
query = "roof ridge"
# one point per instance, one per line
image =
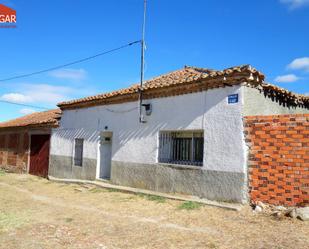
(164, 74)
(201, 69)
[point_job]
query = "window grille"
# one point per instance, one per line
(78, 153)
(181, 147)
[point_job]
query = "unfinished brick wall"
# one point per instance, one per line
(14, 147)
(278, 159)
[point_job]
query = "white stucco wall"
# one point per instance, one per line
(224, 148)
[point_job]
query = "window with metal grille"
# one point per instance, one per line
(78, 152)
(181, 147)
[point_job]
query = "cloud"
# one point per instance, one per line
(294, 4)
(300, 64)
(48, 94)
(43, 94)
(26, 111)
(16, 97)
(286, 78)
(70, 74)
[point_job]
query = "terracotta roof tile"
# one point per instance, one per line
(183, 76)
(48, 118)
(187, 77)
(284, 95)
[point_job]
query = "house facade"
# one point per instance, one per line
(24, 142)
(193, 140)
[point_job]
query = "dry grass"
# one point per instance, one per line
(9, 220)
(36, 213)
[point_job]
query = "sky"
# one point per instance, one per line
(271, 35)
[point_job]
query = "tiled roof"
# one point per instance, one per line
(48, 118)
(186, 80)
(284, 96)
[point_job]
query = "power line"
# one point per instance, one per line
(70, 63)
(32, 106)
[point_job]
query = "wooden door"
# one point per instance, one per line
(39, 155)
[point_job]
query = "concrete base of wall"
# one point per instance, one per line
(213, 185)
(62, 167)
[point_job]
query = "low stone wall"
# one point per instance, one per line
(14, 151)
(278, 158)
(213, 185)
(62, 167)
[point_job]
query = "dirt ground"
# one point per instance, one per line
(37, 213)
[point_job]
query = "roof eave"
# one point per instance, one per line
(201, 84)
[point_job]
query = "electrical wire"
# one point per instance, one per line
(32, 106)
(124, 111)
(45, 108)
(70, 63)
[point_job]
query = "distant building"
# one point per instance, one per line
(24, 142)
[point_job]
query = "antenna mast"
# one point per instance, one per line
(141, 118)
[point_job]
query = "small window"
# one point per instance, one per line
(78, 152)
(181, 147)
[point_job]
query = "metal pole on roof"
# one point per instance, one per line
(141, 118)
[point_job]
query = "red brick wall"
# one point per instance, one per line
(278, 158)
(14, 151)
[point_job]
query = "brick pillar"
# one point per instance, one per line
(278, 158)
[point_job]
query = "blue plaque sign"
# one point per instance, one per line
(232, 99)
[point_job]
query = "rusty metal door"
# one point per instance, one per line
(39, 155)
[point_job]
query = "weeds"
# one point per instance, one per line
(113, 190)
(212, 245)
(156, 198)
(2, 172)
(189, 205)
(96, 190)
(68, 220)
